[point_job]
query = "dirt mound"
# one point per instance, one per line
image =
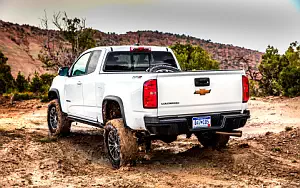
(7, 107)
(270, 155)
(31, 158)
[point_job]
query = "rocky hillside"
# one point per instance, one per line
(22, 44)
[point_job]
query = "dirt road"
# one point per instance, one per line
(260, 158)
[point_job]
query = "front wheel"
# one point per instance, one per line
(120, 143)
(211, 139)
(58, 122)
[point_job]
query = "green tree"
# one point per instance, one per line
(290, 81)
(289, 77)
(46, 80)
(270, 68)
(36, 83)
(76, 39)
(6, 79)
(293, 54)
(281, 73)
(21, 82)
(193, 57)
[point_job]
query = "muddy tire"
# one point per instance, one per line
(209, 139)
(58, 123)
(120, 143)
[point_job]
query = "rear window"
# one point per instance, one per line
(137, 61)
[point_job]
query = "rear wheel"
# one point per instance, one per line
(120, 143)
(58, 122)
(210, 139)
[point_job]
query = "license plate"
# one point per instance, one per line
(201, 122)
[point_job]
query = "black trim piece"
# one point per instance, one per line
(85, 121)
(201, 114)
(57, 94)
(87, 64)
(111, 49)
(89, 61)
(226, 121)
(202, 81)
(120, 102)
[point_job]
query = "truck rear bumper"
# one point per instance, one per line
(223, 121)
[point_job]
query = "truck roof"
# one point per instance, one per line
(128, 47)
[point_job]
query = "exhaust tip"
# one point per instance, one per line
(231, 133)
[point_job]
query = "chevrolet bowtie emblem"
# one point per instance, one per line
(202, 91)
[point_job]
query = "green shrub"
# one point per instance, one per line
(21, 83)
(193, 58)
(47, 79)
(29, 96)
(44, 98)
(254, 88)
(25, 96)
(281, 73)
(36, 83)
(290, 81)
(270, 67)
(41, 84)
(7, 81)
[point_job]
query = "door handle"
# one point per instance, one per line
(79, 83)
(202, 82)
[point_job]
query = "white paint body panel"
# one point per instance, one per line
(179, 88)
(226, 92)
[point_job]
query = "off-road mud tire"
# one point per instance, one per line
(63, 124)
(210, 139)
(127, 143)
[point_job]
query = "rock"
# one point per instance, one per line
(244, 145)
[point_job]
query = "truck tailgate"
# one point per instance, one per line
(180, 93)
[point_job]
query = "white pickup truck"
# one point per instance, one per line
(138, 94)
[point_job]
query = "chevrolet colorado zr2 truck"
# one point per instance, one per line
(139, 93)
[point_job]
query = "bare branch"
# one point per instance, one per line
(56, 20)
(44, 21)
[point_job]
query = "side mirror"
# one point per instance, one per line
(63, 71)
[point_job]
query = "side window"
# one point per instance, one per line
(93, 61)
(118, 61)
(80, 66)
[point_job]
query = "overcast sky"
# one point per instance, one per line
(252, 24)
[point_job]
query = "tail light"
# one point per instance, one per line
(150, 94)
(245, 89)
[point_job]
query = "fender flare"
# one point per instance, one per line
(119, 101)
(51, 95)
